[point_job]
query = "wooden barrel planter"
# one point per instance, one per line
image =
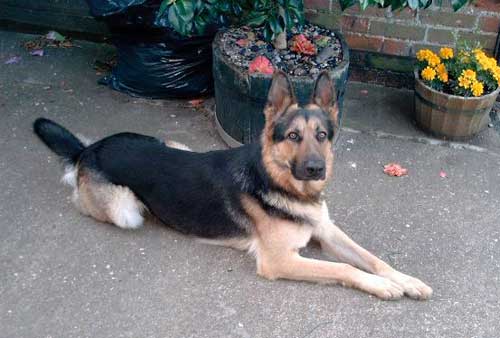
(450, 116)
(240, 97)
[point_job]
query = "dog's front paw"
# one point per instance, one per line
(381, 287)
(413, 287)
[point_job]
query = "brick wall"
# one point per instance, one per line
(385, 40)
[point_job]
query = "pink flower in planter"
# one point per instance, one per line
(261, 64)
(301, 45)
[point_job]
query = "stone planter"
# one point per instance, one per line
(240, 97)
(449, 116)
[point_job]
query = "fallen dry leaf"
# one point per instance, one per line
(105, 66)
(52, 39)
(196, 103)
(395, 169)
(261, 64)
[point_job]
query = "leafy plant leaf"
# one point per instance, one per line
(457, 4)
(413, 4)
(344, 4)
(257, 19)
(364, 4)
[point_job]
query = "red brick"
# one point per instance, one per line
(364, 42)
(354, 24)
(449, 19)
(404, 14)
(489, 24)
(392, 30)
(489, 5)
(487, 41)
(395, 47)
(374, 11)
(317, 4)
(370, 11)
(442, 36)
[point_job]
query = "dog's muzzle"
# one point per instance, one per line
(310, 170)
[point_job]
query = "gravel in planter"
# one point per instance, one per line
(243, 44)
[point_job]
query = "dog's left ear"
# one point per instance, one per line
(325, 96)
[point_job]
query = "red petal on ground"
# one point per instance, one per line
(196, 102)
(395, 169)
(261, 64)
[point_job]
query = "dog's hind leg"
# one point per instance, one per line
(335, 242)
(108, 202)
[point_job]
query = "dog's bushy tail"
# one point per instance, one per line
(60, 140)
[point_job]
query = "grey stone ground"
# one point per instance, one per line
(65, 275)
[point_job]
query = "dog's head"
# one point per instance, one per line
(297, 141)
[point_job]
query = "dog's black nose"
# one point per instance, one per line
(315, 168)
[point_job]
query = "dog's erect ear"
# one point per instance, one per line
(280, 95)
(325, 96)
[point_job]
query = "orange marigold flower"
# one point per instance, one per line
(467, 78)
(477, 88)
(443, 77)
(446, 53)
(428, 73)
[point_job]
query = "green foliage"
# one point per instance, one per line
(275, 16)
(194, 17)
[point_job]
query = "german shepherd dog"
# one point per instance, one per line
(264, 198)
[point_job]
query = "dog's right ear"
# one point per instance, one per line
(280, 95)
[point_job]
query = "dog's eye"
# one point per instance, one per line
(293, 136)
(321, 135)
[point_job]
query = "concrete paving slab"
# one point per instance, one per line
(66, 275)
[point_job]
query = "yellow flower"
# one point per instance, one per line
(428, 73)
(442, 73)
(443, 77)
(496, 74)
(477, 51)
(433, 60)
(441, 68)
(467, 78)
(477, 88)
(429, 56)
(446, 53)
(422, 54)
(469, 74)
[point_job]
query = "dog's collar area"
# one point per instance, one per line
(280, 206)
